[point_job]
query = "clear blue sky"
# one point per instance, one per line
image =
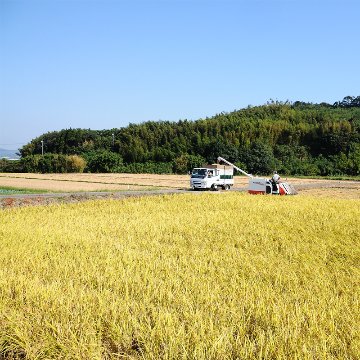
(102, 64)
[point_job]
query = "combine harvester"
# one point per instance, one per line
(222, 176)
(263, 186)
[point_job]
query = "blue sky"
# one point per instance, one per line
(103, 64)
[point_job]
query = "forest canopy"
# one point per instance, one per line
(294, 138)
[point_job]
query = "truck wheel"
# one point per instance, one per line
(227, 187)
(214, 187)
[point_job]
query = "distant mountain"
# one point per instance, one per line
(10, 154)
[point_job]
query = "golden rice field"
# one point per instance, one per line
(206, 276)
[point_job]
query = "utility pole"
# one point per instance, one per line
(113, 140)
(42, 147)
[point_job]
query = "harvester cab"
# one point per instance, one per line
(264, 186)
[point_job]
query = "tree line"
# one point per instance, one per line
(294, 138)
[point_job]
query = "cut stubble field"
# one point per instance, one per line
(87, 182)
(182, 277)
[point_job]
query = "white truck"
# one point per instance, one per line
(212, 177)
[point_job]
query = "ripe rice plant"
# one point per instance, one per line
(193, 276)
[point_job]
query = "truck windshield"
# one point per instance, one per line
(198, 173)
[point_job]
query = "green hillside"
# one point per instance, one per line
(294, 138)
